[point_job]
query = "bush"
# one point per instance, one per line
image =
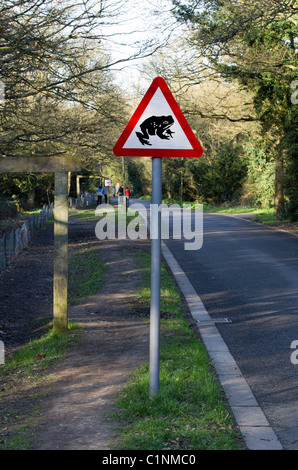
(261, 172)
(221, 180)
(8, 207)
(290, 211)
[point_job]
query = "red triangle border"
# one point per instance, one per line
(195, 152)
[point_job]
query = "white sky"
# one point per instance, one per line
(148, 21)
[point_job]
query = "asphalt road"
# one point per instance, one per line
(248, 273)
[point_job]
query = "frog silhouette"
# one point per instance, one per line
(155, 125)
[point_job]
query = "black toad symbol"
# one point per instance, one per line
(155, 125)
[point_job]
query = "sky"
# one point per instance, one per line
(146, 22)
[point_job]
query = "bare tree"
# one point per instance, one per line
(55, 62)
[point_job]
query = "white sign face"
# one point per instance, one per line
(108, 182)
(158, 128)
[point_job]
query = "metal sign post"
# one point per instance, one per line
(157, 129)
(155, 277)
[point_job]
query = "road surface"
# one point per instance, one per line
(248, 273)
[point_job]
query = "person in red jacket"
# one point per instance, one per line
(127, 194)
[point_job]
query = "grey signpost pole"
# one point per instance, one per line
(155, 276)
(182, 143)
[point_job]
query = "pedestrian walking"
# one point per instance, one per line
(99, 195)
(105, 193)
(127, 194)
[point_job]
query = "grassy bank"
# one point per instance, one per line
(86, 268)
(190, 411)
(263, 215)
(266, 215)
(86, 273)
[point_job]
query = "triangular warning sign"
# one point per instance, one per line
(158, 128)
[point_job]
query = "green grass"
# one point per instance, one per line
(267, 216)
(86, 273)
(86, 215)
(224, 209)
(238, 209)
(31, 360)
(170, 299)
(19, 440)
(189, 412)
(263, 215)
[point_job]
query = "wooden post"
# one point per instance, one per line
(60, 312)
(61, 166)
(69, 181)
(78, 185)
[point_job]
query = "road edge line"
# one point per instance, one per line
(252, 422)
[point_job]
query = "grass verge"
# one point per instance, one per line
(33, 359)
(86, 268)
(86, 273)
(84, 215)
(190, 411)
(262, 213)
(239, 209)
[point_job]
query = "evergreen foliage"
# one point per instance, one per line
(255, 43)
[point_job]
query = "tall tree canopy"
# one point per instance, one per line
(60, 95)
(52, 60)
(255, 42)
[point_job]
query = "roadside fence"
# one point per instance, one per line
(84, 200)
(12, 244)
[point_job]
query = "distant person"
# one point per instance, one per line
(127, 194)
(99, 195)
(114, 191)
(120, 192)
(105, 193)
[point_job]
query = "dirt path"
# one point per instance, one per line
(77, 403)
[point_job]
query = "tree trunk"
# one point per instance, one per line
(69, 181)
(279, 184)
(31, 194)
